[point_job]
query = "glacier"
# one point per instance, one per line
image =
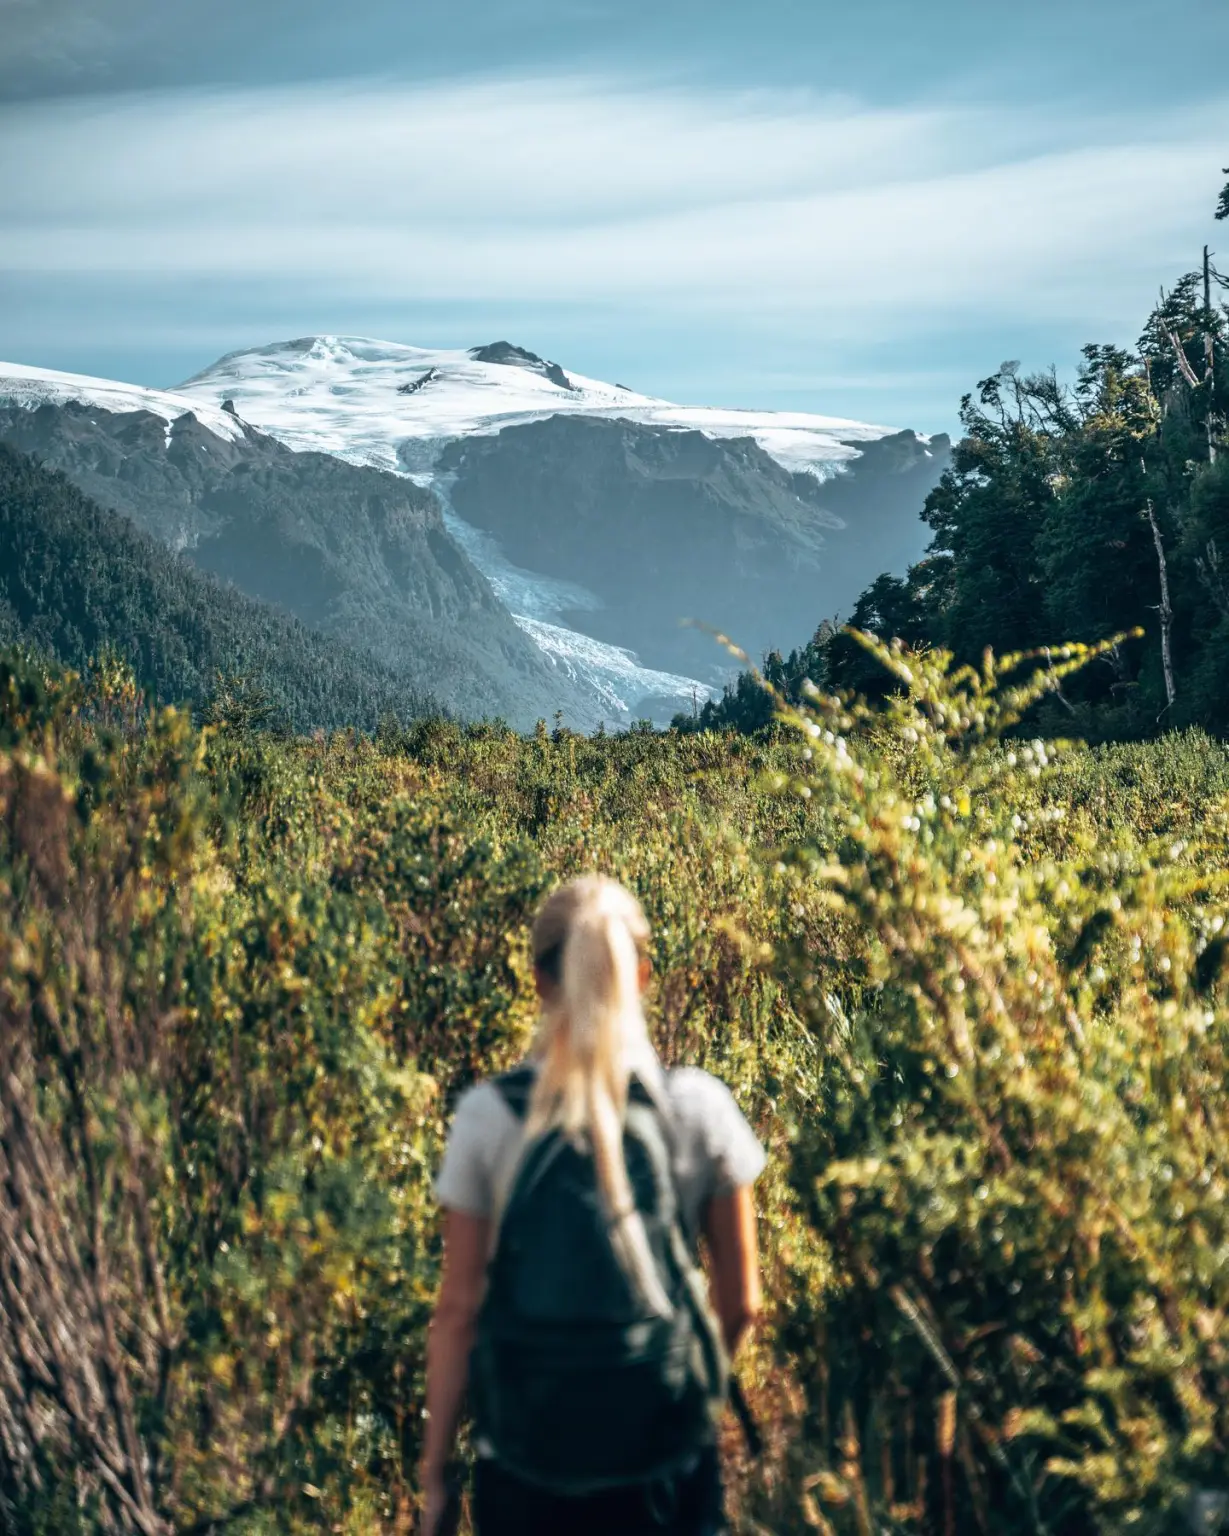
(31, 387)
(394, 407)
(611, 672)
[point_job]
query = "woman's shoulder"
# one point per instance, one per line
(704, 1103)
(714, 1126)
(482, 1104)
(483, 1126)
(694, 1088)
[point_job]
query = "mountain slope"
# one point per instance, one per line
(662, 526)
(603, 516)
(382, 403)
(359, 553)
(76, 578)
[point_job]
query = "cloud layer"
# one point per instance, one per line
(859, 224)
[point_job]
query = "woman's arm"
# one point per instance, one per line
(466, 1241)
(734, 1263)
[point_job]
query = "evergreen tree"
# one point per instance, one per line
(1079, 514)
(990, 506)
(747, 705)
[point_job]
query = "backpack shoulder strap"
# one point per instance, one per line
(707, 1329)
(650, 1096)
(516, 1089)
(708, 1326)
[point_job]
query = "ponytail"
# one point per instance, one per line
(589, 933)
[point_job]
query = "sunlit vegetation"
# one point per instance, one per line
(969, 990)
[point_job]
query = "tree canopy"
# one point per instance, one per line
(1084, 512)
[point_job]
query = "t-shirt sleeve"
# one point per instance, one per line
(731, 1151)
(464, 1182)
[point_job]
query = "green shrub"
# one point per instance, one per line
(1019, 1169)
(969, 992)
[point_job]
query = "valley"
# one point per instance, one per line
(521, 540)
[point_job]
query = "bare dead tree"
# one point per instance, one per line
(1208, 382)
(1056, 685)
(1209, 352)
(1184, 366)
(1117, 663)
(1164, 609)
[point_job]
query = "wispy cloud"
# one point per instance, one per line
(68, 40)
(866, 223)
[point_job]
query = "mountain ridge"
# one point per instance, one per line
(756, 523)
(340, 394)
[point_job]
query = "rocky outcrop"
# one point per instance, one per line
(664, 524)
(519, 357)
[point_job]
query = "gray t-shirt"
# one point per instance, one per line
(716, 1151)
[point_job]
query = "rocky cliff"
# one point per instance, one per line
(665, 524)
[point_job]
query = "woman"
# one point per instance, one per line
(574, 1191)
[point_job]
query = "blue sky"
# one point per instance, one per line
(856, 209)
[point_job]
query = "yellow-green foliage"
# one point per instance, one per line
(969, 993)
(1018, 1174)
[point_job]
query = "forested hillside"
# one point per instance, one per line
(351, 551)
(77, 581)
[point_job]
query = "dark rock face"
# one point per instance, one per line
(667, 525)
(411, 386)
(355, 552)
(519, 357)
(879, 500)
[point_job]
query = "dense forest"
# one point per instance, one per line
(1084, 513)
(1071, 512)
(77, 580)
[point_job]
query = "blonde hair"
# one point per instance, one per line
(588, 941)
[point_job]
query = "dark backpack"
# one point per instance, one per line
(576, 1384)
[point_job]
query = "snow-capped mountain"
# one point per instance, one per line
(29, 388)
(769, 548)
(352, 551)
(609, 676)
(600, 516)
(381, 403)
